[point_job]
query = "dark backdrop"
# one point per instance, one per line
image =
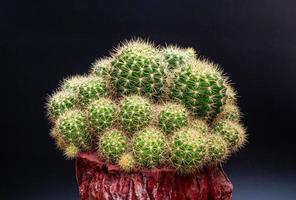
(45, 41)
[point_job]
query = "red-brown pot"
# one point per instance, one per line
(100, 181)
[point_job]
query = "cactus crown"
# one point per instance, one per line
(147, 107)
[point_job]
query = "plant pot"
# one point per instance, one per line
(100, 181)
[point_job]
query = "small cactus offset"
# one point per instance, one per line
(201, 88)
(232, 132)
(201, 126)
(91, 89)
(176, 57)
(217, 148)
(126, 162)
(172, 117)
(101, 67)
(230, 112)
(138, 68)
(135, 113)
(112, 144)
(149, 147)
(101, 114)
(188, 150)
(59, 102)
(146, 106)
(72, 126)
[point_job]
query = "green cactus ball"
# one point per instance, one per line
(200, 88)
(135, 113)
(138, 68)
(149, 147)
(101, 67)
(230, 112)
(232, 132)
(101, 114)
(176, 57)
(72, 125)
(126, 162)
(201, 126)
(59, 102)
(172, 117)
(217, 148)
(188, 150)
(112, 145)
(91, 89)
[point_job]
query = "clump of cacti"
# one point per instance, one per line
(145, 107)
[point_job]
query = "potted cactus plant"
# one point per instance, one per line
(148, 123)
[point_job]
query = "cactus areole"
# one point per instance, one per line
(148, 122)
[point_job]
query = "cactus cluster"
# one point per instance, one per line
(147, 106)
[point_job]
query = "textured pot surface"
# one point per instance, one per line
(100, 181)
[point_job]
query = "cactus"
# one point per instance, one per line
(101, 114)
(230, 112)
(59, 102)
(135, 113)
(188, 150)
(138, 68)
(232, 132)
(176, 57)
(172, 117)
(201, 88)
(112, 145)
(92, 88)
(217, 148)
(72, 126)
(71, 151)
(73, 83)
(101, 67)
(149, 147)
(148, 107)
(201, 126)
(126, 162)
(231, 94)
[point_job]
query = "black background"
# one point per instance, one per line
(45, 41)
